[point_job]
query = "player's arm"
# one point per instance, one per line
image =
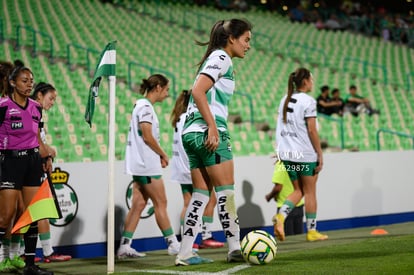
(275, 192)
(42, 147)
(45, 154)
(149, 140)
(314, 138)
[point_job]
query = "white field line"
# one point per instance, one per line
(224, 272)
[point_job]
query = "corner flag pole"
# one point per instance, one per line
(111, 177)
(107, 67)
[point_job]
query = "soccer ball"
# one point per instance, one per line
(258, 247)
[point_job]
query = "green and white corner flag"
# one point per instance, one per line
(105, 67)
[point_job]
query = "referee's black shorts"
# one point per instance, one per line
(18, 170)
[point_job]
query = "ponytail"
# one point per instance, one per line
(289, 96)
(294, 84)
(220, 34)
(180, 107)
(147, 85)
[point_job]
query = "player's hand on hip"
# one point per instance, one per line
(212, 139)
(164, 161)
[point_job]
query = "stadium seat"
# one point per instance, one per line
(170, 50)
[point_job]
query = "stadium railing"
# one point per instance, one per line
(309, 52)
(88, 52)
(365, 65)
(395, 133)
(34, 42)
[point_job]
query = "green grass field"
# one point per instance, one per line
(353, 251)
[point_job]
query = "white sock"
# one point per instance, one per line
(226, 206)
(207, 225)
(4, 252)
(192, 221)
(46, 243)
(14, 249)
(310, 224)
(46, 247)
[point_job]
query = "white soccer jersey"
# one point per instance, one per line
(180, 166)
(140, 159)
(292, 139)
(219, 67)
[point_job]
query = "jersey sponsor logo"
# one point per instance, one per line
(17, 125)
(146, 114)
(6, 185)
(213, 67)
(290, 122)
(289, 155)
(222, 57)
(14, 111)
(15, 118)
(288, 134)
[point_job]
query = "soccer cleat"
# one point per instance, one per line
(125, 251)
(314, 235)
(36, 270)
(56, 258)
(211, 243)
(18, 262)
(192, 260)
(235, 256)
(173, 248)
(7, 266)
(279, 226)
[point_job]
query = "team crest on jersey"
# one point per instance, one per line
(66, 196)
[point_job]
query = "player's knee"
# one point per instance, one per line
(6, 216)
(138, 205)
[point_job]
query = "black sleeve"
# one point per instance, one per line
(40, 111)
(2, 114)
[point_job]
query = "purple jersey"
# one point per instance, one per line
(19, 126)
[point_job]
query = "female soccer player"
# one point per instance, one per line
(180, 172)
(45, 94)
(144, 162)
(299, 148)
(206, 138)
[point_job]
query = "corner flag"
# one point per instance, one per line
(41, 207)
(105, 67)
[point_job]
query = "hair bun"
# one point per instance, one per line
(18, 63)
